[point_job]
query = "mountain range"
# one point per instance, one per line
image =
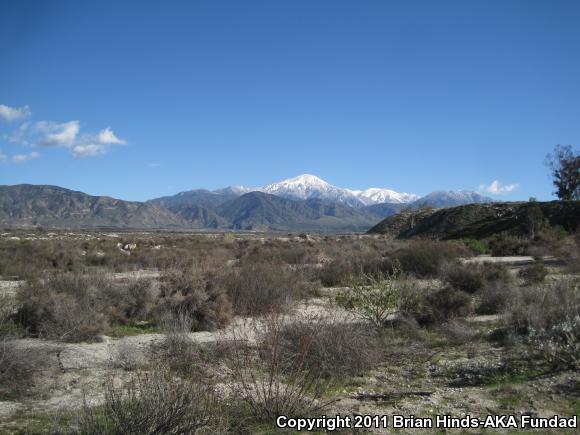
(303, 203)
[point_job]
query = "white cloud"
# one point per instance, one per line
(107, 137)
(497, 188)
(10, 114)
(21, 158)
(55, 134)
(88, 150)
(59, 135)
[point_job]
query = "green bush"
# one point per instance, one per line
(505, 244)
(478, 247)
(372, 299)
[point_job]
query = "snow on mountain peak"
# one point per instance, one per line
(308, 186)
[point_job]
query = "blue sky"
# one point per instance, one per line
(138, 99)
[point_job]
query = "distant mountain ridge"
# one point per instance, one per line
(27, 205)
(304, 203)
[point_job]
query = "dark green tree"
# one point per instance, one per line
(564, 163)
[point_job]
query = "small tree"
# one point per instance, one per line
(565, 166)
(373, 298)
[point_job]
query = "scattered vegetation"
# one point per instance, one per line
(401, 324)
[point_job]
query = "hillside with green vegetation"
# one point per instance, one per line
(479, 221)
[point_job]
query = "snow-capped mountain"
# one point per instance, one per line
(375, 195)
(308, 186)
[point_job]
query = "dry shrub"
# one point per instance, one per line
(152, 403)
(548, 319)
(267, 379)
(458, 332)
(425, 258)
(181, 354)
(540, 308)
(466, 277)
(505, 244)
(336, 347)
(258, 288)
(352, 258)
(534, 273)
(193, 289)
(75, 307)
(493, 298)
(433, 306)
(64, 306)
(473, 277)
(19, 366)
(448, 303)
(428, 307)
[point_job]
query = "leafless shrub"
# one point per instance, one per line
(458, 332)
(534, 273)
(466, 277)
(548, 320)
(433, 306)
(192, 289)
(152, 403)
(128, 356)
(494, 298)
(448, 303)
(64, 306)
(267, 379)
(540, 308)
(471, 278)
(424, 258)
(259, 288)
(20, 365)
(337, 347)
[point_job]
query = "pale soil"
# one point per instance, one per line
(413, 381)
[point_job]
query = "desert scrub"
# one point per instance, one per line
(534, 273)
(19, 366)
(78, 307)
(424, 259)
(67, 307)
(266, 379)
(259, 288)
(192, 288)
(433, 306)
(547, 319)
(152, 403)
(372, 299)
(558, 344)
(337, 347)
(473, 277)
